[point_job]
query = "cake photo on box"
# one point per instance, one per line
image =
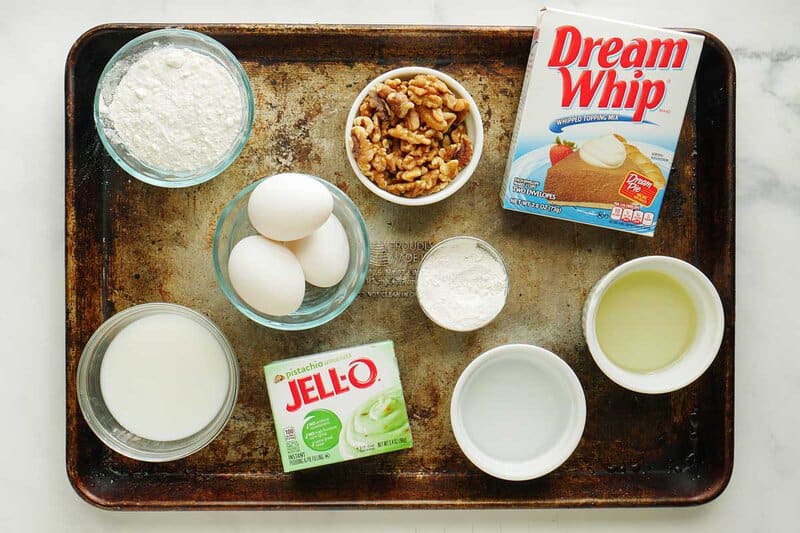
(605, 170)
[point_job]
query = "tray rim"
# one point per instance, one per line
(75, 476)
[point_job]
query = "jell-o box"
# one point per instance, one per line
(599, 120)
(339, 405)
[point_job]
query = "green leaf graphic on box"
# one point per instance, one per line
(321, 430)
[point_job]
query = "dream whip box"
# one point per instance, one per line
(599, 119)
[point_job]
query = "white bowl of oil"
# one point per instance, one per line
(653, 324)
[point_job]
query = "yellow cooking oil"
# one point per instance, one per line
(645, 321)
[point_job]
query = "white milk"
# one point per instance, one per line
(514, 410)
(164, 377)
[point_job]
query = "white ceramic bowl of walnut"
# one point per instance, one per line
(472, 122)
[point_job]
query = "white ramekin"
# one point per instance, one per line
(474, 129)
(563, 444)
(701, 352)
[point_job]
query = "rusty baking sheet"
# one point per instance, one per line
(129, 243)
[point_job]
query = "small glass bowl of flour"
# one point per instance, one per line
(173, 108)
(462, 283)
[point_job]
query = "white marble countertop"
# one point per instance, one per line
(36, 34)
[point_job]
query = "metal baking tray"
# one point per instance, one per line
(129, 243)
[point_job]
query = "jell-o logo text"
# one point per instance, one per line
(322, 385)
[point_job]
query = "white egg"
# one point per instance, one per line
(266, 275)
(290, 206)
(324, 255)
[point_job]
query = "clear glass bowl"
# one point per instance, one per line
(320, 305)
(117, 67)
(483, 245)
(106, 427)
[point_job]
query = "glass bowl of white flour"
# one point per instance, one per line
(173, 108)
(462, 283)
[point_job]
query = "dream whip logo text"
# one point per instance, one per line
(641, 94)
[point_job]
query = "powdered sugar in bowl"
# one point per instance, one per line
(173, 108)
(462, 283)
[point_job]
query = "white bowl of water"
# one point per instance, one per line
(518, 412)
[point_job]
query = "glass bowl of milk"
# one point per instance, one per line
(157, 382)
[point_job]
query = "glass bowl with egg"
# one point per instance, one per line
(157, 382)
(281, 280)
(173, 108)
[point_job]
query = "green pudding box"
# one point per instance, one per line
(339, 405)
